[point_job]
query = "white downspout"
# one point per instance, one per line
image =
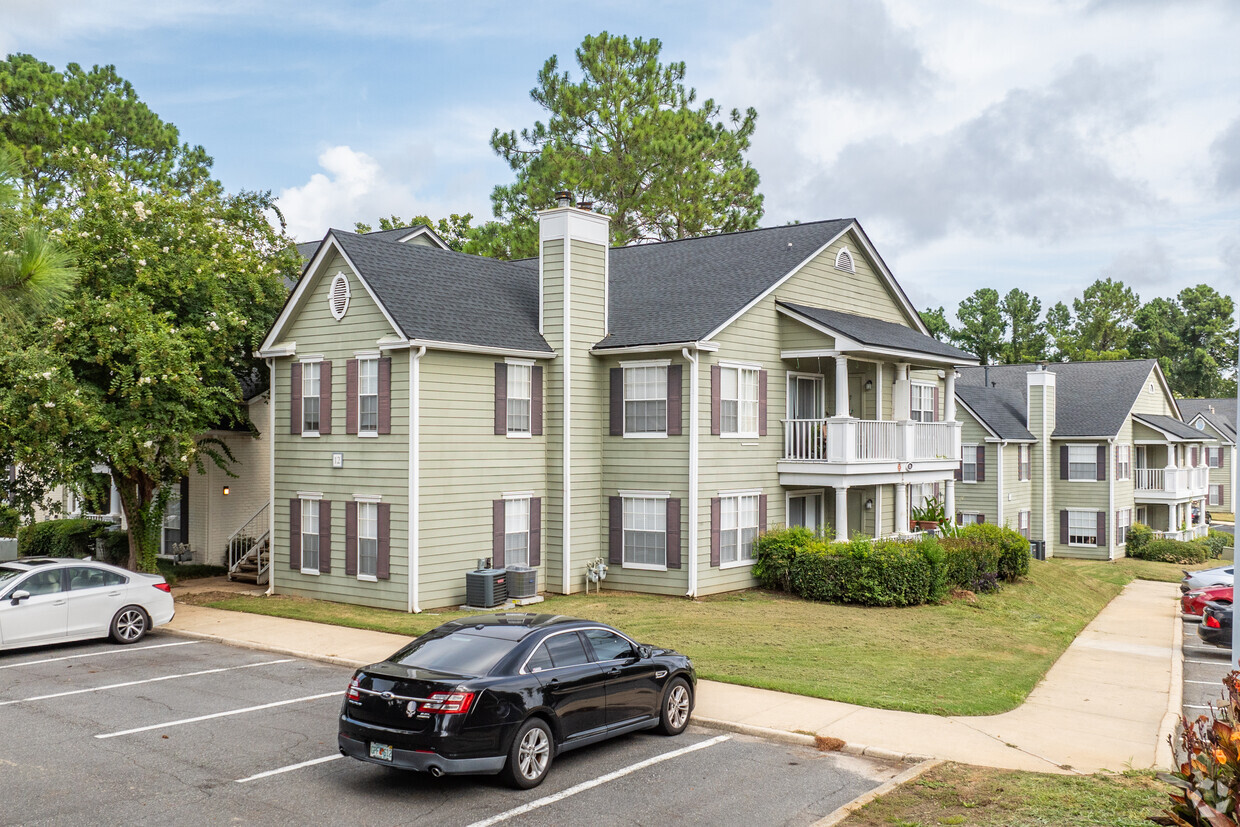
(271, 479)
(999, 483)
(1110, 472)
(692, 358)
(566, 511)
(415, 492)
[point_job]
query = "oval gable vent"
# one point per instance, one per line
(843, 261)
(339, 297)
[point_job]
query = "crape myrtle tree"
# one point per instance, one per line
(177, 288)
(629, 136)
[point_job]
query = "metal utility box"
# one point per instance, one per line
(1037, 549)
(486, 588)
(522, 581)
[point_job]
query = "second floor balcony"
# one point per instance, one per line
(861, 446)
(1166, 484)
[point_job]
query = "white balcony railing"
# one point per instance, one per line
(1177, 481)
(864, 440)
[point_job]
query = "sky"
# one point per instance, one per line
(1032, 144)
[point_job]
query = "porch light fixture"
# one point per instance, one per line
(225, 490)
(869, 505)
(869, 384)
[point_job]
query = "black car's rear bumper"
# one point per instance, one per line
(421, 761)
(1218, 637)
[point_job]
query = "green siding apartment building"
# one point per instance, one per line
(1073, 454)
(656, 406)
(1217, 418)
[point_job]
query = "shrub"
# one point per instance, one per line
(59, 538)
(1216, 541)
(1013, 549)
(10, 519)
(776, 553)
(1139, 536)
(1172, 551)
(971, 563)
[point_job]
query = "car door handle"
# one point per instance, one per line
(553, 683)
(613, 671)
(58, 602)
(114, 594)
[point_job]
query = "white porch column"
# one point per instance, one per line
(901, 403)
(901, 526)
(841, 513)
(878, 511)
(878, 391)
(949, 501)
(949, 404)
(842, 407)
(114, 499)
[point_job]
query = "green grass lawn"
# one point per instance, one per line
(975, 656)
(176, 572)
(960, 794)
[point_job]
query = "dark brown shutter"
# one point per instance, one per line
(958, 516)
(497, 533)
(615, 531)
(350, 538)
(1102, 528)
(934, 414)
(325, 398)
(184, 509)
(350, 396)
(761, 513)
(673, 533)
(675, 391)
(761, 403)
(294, 534)
(325, 536)
(535, 531)
(716, 381)
(536, 400)
(1063, 527)
(1063, 462)
(385, 396)
(384, 568)
(959, 472)
(294, 410)
(981, 463)
(1102, 462)
(501, 399)
(716, 513)
(617, 402)
(981, 518)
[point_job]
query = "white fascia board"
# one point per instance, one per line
(426, 231)
(631, 349)
(844, 342)
(282, 349)
(457, 347)
(292, 306)
(1218, 434)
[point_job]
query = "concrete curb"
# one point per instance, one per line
(911, 774)
(275, 650)
(802, 740)
(1164, 758)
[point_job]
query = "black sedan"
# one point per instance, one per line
(1216, 624)
(506, 693)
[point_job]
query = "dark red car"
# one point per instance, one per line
(1193, 602)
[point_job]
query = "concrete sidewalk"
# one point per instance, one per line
(1102, 706)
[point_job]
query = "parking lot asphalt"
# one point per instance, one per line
(1205, 666)
(171, 731)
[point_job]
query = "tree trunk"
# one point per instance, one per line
(143, 509)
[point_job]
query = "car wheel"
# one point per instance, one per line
(130, 625)
(677, 702)
(530, 756)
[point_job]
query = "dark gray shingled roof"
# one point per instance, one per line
(1002, 410)
(681, 291)
(1092, 398)
(877, 333)
(1171, 425)
(1222, 417)
(307, 249)
(440, 295)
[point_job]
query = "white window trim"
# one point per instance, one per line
(914, 383)
(307, 496)
(310, 360)
(529, 434)
(644, 363)
(643, 495)
(973, 514)
(1092, 445)
(528, 499)
(1094, 514)
(803, 492)
(753, 492)
(1128, 475)
(367, 356)
(1127, 512)
(368, 498)
(373, 499)
(739, 366)
(964, 449)
(1028, 450)
(512, 360)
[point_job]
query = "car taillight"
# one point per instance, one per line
(163, 587)
(447, 703)
(353, 694)
(1212, 622)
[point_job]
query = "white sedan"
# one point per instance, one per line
(45, 600)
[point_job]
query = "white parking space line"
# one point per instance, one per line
(148, 680)
(183, 721)
(602, 779)
(290, 767)
(1207, 662)
(118, 651)
(1207, 683)
(1197, 706)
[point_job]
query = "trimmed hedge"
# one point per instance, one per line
(1172, 551)
(59, 538)
(1139, 536)
(10, 519)
(888, 572)
(1216, 541)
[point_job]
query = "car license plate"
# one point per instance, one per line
(382, 752)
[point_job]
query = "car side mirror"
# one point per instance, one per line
(644, 652)
(18, 596)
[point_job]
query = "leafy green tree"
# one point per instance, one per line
(629, 137)
(35, 271)
(981, 325)
(1194, 338)
(936, 320)
(1027, 335)
(456, 230)
(1104, 320)
(1060, 331)
(44, 112)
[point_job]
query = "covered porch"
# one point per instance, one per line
(878, 510)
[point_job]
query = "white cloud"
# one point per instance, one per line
(1146, 266)
(1225, 153)
(352, 187)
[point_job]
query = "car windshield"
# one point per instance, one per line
(458, 654)
(9, 574)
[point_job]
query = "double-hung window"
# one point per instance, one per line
(1123, 520)
(1123, 462)
(921, 408)
(368, 396)
(738, 528)
(1023, 519)
(517, 531)
(968, 464)
(645, 532)
(1024, 463)
(969, 518)
(518, 404)
(1216, 495)
(310, 534)
(738, 402)
(645, 400)
(1082, 528)
(1214, 457)
(367, 540)
(309, 398)
(1083, 463)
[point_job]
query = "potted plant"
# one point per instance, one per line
(929, 515)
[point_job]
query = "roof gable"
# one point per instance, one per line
(1000, 411)
(875, 333)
